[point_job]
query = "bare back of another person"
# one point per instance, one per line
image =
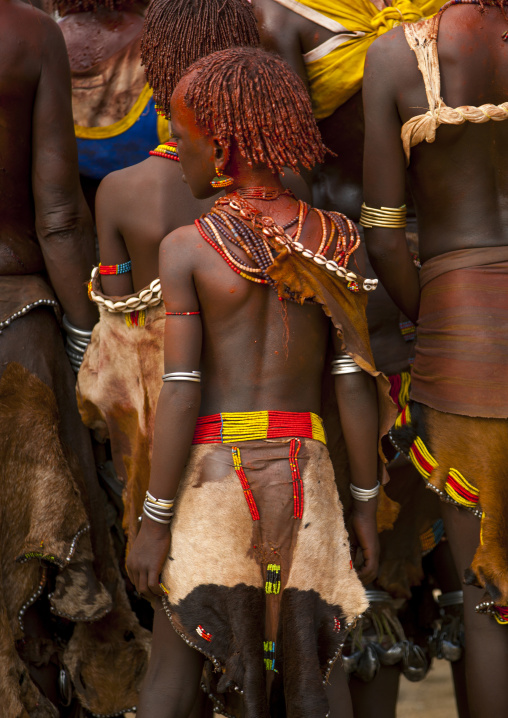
(459, 181)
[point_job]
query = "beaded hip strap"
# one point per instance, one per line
(232, 427)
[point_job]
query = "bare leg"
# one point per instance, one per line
(172, 681)
(377, 697)
(448, 580)
(486, 641)
(337, 692)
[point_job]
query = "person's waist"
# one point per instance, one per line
(232, 427)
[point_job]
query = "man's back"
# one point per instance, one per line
(460, 181)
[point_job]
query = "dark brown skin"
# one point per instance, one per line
(137, 207)
(45, 222)
(460, 188)
(460, 182)
(238, 342)
(337, 184)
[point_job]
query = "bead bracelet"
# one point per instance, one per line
(115, 268)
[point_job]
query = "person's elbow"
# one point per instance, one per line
(62, 219)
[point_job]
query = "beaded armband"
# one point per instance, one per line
(388, 217)
(181, 314)
(115, 268)
(344, 364)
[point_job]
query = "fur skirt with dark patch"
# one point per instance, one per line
(463, 459)
(265, 596)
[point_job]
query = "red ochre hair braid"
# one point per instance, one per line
(69, 7)
(253, 98)
(179, 32)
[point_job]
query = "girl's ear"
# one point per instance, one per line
(221, 155)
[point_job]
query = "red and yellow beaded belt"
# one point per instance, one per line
(231, 427)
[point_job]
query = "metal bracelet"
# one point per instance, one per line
(162, 502)
(452, 598)
(364, 494)
(157, 519)
(182, 376)
(374, 596)
(79, 333)
(344, 365)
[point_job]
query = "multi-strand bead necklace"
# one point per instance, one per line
(260, 237)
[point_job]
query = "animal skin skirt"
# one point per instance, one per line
(259, 577)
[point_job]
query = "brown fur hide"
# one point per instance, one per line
(118, 387)
(476, 447)
(43, 522)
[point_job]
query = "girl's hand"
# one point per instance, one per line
(365, 529)
(147, 557)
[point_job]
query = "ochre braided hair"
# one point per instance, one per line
(252, 98)
(68, 7)
(179, 32)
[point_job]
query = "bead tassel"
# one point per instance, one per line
(237, 462)
(294, 448)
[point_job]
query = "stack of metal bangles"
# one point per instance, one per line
(159, 510)
(344, 365)
(388, 217)
(364, 494)
(77, 342)
(182, 376)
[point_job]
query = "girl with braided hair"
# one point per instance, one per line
(136, 207)
(254, 571)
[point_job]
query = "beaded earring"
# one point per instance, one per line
(221, 180)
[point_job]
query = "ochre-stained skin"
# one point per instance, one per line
(242, 349)
(460, 188)
(45, 223)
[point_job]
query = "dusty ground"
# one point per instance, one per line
(431, 697)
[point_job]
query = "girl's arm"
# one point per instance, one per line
(177, 408)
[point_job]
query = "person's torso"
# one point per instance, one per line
(460, 181)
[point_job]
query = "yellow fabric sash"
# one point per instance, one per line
(338, 76)
(118, 128)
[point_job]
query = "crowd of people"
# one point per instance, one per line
(253, 356)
